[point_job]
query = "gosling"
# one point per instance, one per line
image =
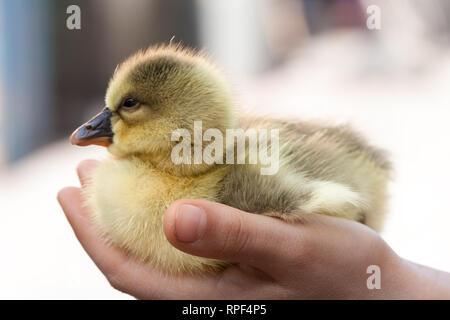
(321, 169)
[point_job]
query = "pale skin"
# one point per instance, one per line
(322, 258)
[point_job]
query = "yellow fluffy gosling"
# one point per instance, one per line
(321, 169)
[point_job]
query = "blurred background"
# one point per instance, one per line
(307, 59)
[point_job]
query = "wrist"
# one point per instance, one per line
(425, 282)
(393, 280)
(408, 280)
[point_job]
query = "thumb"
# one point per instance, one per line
(214, 230)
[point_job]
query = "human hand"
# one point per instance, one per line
(322, 258)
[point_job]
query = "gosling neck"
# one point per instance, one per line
(162, 161)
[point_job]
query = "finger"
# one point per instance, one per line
(217, 231)
(84, 170)
(123, 272)
(104, 255)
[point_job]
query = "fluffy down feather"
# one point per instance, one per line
(322, 169)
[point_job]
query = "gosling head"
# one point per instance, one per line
(152, 94)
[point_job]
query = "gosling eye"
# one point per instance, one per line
(129, 103)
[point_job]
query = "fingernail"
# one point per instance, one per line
(190, 222)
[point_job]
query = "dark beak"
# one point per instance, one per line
(96, 131)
